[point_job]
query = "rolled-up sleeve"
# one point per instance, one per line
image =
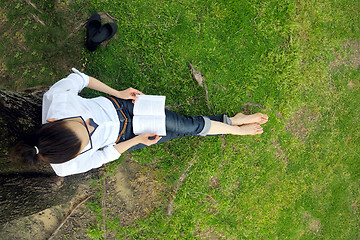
(86, 162)
(56, 99)
(74, 83)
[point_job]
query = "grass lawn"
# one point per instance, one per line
(296, 61)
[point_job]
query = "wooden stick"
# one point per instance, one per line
(257, 14)
(163, 59)
(36, 18)
(67, 217)
(239, 30)
(103, 207)
(181, 179)
(33, 5)
(199, 30)
(108, 14)
(177, 18)
(205, 195)
(157, 25)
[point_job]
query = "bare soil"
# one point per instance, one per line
(301, 123)
(131, 192)
(352, 58)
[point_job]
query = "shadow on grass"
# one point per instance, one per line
(40, 41)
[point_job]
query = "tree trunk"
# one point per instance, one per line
(25, 191)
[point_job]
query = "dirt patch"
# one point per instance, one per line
(130, 193)
(355, 207)
(209, 234)
(349, 55)
(2, 67)
(302, 122)
(41, 225)
(313, 224)
(214, 182)
(18, 40)
(280, 153)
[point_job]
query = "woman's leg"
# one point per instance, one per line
(182, 126)
(222, 128)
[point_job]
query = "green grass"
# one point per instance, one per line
(291, 60)
(39, 42)
(299, 179)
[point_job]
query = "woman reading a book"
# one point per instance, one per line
(80, 134)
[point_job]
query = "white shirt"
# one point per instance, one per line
(62, 101)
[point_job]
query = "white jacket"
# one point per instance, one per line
(62, 101)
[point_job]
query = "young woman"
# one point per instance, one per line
(80, 134)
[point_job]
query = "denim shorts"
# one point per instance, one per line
(176, 125)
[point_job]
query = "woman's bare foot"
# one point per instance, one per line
(248, 129)
(240, 119)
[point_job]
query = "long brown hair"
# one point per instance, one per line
(53, 143)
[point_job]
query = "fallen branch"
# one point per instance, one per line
(196, 74)
(203, 194)
(157, 25)
(103, 206)
(239, 30)
(36, 18)
(354, 151)
(257, 14)
(67, 217)
(207, 96)
(81, 9)
(163, 59)
(181, 180)
(199, 30)
(76, 29)
(222, 87)
(177, 18)
(33, 5)
(108, 14)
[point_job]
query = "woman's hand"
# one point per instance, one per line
(129, 93)
(144, 138)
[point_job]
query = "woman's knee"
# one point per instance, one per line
(184, 125)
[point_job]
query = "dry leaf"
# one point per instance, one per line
(196, 75)
(201, 81)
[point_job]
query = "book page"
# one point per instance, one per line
(149, 124)
(150, 105)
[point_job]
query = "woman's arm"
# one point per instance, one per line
(143, 138)
(129, 93)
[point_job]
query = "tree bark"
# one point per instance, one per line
(23, 190)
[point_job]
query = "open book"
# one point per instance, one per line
(149, 115)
